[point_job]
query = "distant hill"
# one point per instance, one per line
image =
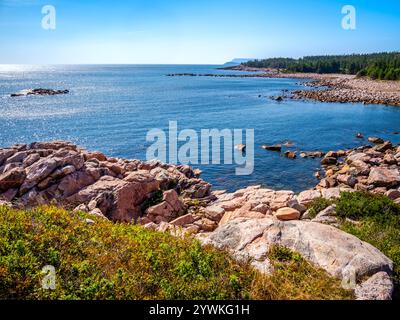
(236, 62)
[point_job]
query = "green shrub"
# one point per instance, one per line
(289, 267)
(356, 205)
(283, 254)
(155, 199)
(109, 260)
(317, 205)
(379, 223)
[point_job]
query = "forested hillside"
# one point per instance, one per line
(383, 66)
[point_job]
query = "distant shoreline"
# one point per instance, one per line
(336, 87)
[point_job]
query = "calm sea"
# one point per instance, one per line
(111, 108)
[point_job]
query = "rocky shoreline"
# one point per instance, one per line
(248, 222)
(344, 89)
(328, 87)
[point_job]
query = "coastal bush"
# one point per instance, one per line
(357, 205)
(289, 267)
(317, 205)
(99, 259)
(378, 224)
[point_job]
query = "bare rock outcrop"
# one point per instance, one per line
(340, 254)
(44, 172)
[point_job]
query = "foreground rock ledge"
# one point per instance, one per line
(340, 254)
(116, 189)
(170, 198)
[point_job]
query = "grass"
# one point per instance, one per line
(379, 223)
(290, 268)
(106, 260)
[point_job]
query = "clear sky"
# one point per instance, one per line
(191, 31)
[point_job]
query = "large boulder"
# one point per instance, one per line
(74, 182)
(12, 179)
(38, 172)
(384, 177)
(306, 197)
(340, 254)
(287, 214)
(162, 212)
(357, 156)
(17, 157)
(5, 154)
(167, 210)
(119, 200)
(378, 287)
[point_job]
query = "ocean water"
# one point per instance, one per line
(111, 108)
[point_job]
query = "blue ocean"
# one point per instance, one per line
(111, 108)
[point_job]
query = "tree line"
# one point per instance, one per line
(383, 66)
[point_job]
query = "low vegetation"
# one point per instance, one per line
(383, 66)
(378, 220)
(318, 205)
(98, 259)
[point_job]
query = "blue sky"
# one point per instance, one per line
(191, 31)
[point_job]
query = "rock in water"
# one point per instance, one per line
(274, 147)
(39, 92)
(375, 140)
(290, 155)
(241, 147)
